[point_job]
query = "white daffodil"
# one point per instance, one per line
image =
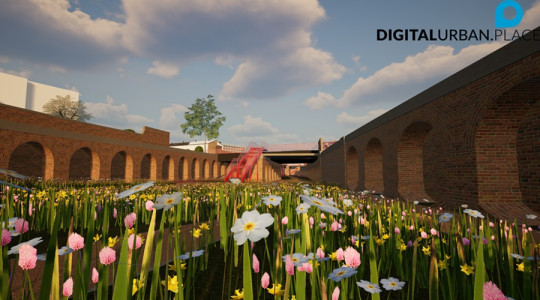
(135, 189)
(166, 201)
(321, 204)
(474, 213)
(392, 284)
(251, 226)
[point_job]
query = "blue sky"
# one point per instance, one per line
(282, 71)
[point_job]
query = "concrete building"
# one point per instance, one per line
(20, 92)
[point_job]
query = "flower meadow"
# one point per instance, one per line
(272, 241)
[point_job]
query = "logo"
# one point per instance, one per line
(501, 21)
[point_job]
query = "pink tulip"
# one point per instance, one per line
(320, 253)
(107, 256)
(67, 289)
(75, 241)
(340, 254)
(95, 275)
(129, 220)
(149, 205)
(265, 280)
(6, 237)
(285, 220)
(311, 222)
(396, 230)
(115, 213)
(433, 231)
(423, 234)
(138, 241)
(352, 257)
(335, 294)
(27, 257)
(289, 265)
(335, 226)
(255, 263)
(21, 226)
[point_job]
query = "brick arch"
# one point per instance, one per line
(205, 169)
(222, 170)
(351, 168)
(167, 168)
(84, 164)
(195, 169)
(122, 166)
(214, 171)
(410, 159)
(505, 139)
(373, 165)
(183, 169)
(32, 159)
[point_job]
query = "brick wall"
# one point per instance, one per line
(475, 142)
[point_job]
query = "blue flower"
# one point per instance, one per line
(42, 257)
(369, 287)
(292, 231)
(297, 258)
(445, 217)
(340, 273)
(187, 255)
(64, 250)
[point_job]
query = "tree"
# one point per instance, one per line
(203, 118)
(65, 108)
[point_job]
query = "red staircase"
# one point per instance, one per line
(242, 166)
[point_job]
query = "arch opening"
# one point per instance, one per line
(80, 164)
(373, 162)
(29, 159)
(351, 169)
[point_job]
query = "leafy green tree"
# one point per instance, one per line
(67, 109)
(203, 118)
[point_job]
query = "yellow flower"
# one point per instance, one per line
(173, 284)
(385, 236)
(132, 197)
(61, 194)
(112, 241)
(426, 250)
(238, 294)
(97, 237)
(357, 243)
(196, 233)
(131, 231)
(293, 297)
(137, 284)
(204, 226)
(521, 266)
(402, 247)
(444, 241)
(447, 257)
(333, 256)
(276, 290)
(442, 264)
(343, 228)
(379, 241)
(467, 269)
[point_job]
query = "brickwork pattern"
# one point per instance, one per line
(478, 145)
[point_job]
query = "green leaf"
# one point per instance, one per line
(48, 273)
(480, 272)
(121, 283)
(248, 284)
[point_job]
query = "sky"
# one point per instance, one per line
(281, 71)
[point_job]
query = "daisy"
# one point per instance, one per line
(135, 189)
(445, 217)
(272, 200)
(474, 213)
(372, 288)
(166, 201)
(340, 273)
(251, 226)
(392, 284)
(302, 208)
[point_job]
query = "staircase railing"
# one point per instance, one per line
(242, 166)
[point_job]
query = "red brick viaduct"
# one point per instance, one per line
(40, 145)
(473, 138)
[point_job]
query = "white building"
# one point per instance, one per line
(20, 92)
(212, 146)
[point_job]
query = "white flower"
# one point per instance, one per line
(272, 200)
(392, 284)
(322, 204)
(464, 205)
(347, 202)
(135, 189)
(166, 201)
(530, 217)
(234, 180)
(369, 287)
(474, 213)
(302, 208)
(33, 242)
(13, 174)
(251, 226)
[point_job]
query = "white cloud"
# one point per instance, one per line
(348, 121)
(65, 37)
(256, 129)
(531, 17)
(434, 62)
(169, 119)
(115, 115)
(163, 70)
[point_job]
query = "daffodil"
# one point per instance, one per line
(521, 266)
(172, 284)
(468, 270)
(204, 226)
(97, 237)
(112, 241)
(137, 284)
(167, 201)
(442, 264)
(426, 250)
(238, 294)
(276, 290)
(196, 233)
